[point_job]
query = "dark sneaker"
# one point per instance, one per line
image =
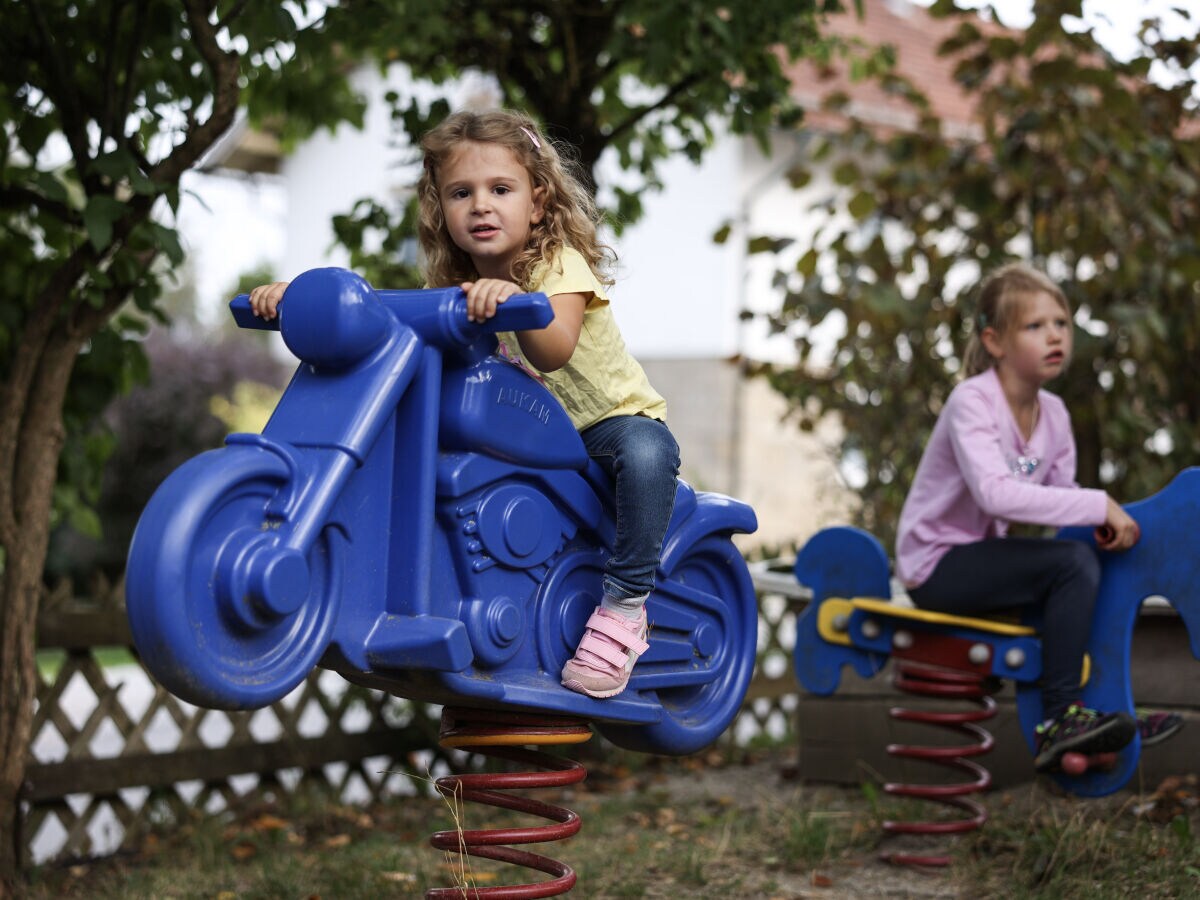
(1082, 730)
(1156, 727)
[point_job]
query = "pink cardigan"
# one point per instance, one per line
(978, 473)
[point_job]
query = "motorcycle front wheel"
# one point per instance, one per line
(196, 631)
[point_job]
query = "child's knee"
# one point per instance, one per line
(654, 451)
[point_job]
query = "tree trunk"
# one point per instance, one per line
(22, 580)
(39, 438)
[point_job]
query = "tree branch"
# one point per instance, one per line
(28, 349)
(131, 61)
(108, 116)
(666, 100)
(224, 70)
(85, 320)
(237, 9)
(16, 197)
(41, 431)
(74, 126)
(16, 394)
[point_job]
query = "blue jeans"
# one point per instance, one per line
(642, 457)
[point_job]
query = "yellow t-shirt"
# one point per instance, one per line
(601, 380)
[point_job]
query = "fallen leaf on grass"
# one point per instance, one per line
(268, 822)
(242, 851)
(400, 877)
(338, 840)
(819, 880)
(353, 815)
(456, 871)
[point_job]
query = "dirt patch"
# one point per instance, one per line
(770, 787)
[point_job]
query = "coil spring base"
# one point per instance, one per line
(934, 682)
(507, 735)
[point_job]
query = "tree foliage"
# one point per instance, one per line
(105, 104)
(1080, 164)
(648, 79)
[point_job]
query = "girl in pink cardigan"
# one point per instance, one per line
(1002, 451)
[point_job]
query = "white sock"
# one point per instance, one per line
(630, 608)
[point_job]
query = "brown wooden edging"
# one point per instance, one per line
(80, 627)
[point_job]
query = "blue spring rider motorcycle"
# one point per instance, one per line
(422, 517)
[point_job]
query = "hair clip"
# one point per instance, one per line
(983, 323)
(537, 145)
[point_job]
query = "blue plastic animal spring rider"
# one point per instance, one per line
(851, 623)
(422, 517)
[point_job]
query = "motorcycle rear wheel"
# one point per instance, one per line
(694, 716)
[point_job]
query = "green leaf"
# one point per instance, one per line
(1183, 830)
(167, 240)
(767, 244)
(116, 165)
(846, 173)
(51, 187)
(99, 216)
(862, 204)
(799, 177)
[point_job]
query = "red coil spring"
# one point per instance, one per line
(505, 735)
(935, 682)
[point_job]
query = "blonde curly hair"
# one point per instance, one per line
(570, 218)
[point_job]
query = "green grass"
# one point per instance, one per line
(696, 828)
(1075, 849)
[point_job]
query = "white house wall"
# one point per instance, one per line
(677, 292)
(328, 173)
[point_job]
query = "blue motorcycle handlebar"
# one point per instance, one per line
(244, 317)
(333, 317)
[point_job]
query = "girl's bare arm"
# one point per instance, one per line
(547, 348)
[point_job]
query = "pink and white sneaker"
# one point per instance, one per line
(611, 644)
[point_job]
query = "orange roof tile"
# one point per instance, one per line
(916, 36)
